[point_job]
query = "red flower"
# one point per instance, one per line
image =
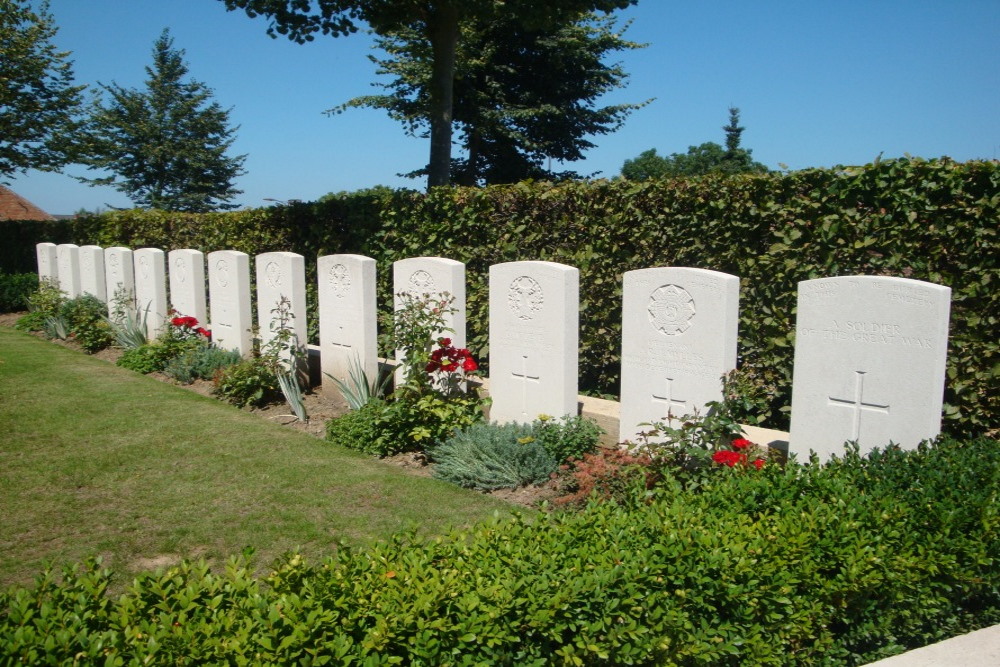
(177, 321)
(741, 443)
(204, 332)
(469, 365)
(758, 464)
(728, 457)
(444, 342)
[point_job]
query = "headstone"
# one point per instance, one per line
(92, 277)
(48, 262)
(281, 275)
(229, 299)
(434, 276)
(347, 316)
(534, 338)
(679, 329)
(119, 275)
(187, 284)
(68, 255)
(870, 355)
(151, 288)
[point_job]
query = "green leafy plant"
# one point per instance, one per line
(85, 318)
(286, 355)
(359, 429)
(569, 437)
(144, 359)
(45, 302)
(56, 326)
(251, 382)
(491, 456)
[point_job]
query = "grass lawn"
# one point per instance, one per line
(96, 459)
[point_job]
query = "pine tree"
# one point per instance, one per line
(165, 146)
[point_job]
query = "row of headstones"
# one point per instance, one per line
(869, 360)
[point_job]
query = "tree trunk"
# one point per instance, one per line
(443, 34)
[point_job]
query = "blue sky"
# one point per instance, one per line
(818, 84)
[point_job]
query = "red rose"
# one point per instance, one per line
(204, 332)
(177, 321)
(469, 365)
(758, 464)
(727, 457)
(432, 366)
(741, 443)
(444, 342)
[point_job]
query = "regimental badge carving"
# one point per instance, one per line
(113, 260)
(144, 267)
(340, 280)
(272, 273)
(422, 282)
(222, 272)
(180, 269)
(525, 297)
(670, 309)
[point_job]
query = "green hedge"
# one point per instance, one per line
(841, 564)
(930, 220)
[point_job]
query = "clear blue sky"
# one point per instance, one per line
(818, 83)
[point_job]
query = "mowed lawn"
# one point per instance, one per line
(98, 460)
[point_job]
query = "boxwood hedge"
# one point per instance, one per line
(933, 220)
(838, 564)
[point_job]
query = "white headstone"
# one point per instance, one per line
(68, 255)
(48, 261)
(870, 355)
(92, 278)
(347, 315)
(679, 329)
(119, 275)
(229, 298)
(281, 275)
(187, 284)
(151, 288)
(534, 339)
(434, 276)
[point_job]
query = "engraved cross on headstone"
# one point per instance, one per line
(857, 404)
(525, 378)
(669, 400)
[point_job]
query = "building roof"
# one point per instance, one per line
(15, 207)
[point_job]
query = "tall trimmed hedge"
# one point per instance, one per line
(934, 220)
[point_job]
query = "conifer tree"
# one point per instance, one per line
(165, 146)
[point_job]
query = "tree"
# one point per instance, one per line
(438, 21)
(521, 96)
(38, 101)
(166, 145)
(704, 159)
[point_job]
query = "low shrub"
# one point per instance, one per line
(15, 289)
(569, 437)
(491, 456)
(43, 303)
(842, 564)
(607, 474)
(251, 382)
(85, 317)
(148, 358)
(200, 363)
(359, 429)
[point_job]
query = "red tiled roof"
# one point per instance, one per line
(15, 207)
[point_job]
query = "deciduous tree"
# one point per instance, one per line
(165, 146)
(38, 101)
(438, 21)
